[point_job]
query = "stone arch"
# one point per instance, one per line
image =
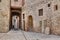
(30, 23)
(18, 14)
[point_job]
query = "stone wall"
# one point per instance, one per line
(55, 18)
(4, 15)
(52, 17)
(31, 8)
(16, 4)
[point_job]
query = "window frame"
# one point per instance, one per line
(0, 0)
(23, 16)
(15, 0)
(49, 4)
(55, 7)
(40, 12)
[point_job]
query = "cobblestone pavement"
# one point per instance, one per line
(22, 35)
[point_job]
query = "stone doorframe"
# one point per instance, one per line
(30, 23)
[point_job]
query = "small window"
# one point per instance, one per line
(55, 7)
(15, 0)
(40, 12)
(48, 5)
(0, 0)
(23, 16)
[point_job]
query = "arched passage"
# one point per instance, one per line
(30, 23)
(15, 19)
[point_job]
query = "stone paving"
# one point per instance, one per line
(22, 35)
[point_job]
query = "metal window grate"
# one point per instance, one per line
(40, 12)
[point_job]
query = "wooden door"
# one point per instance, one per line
(30, 23)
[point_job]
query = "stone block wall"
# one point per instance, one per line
(55, 18)
(4, 15)
(16, 4)
(31, 8)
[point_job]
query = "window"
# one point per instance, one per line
(23, 16)
(48, 5)
(24, 24)
(40, 12)
(15, 0)
(55, 7)
(0, 0)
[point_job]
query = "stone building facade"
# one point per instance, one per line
(35, 15)
(47, 23)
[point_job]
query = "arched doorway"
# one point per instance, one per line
(30, 23)
(15, 20)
